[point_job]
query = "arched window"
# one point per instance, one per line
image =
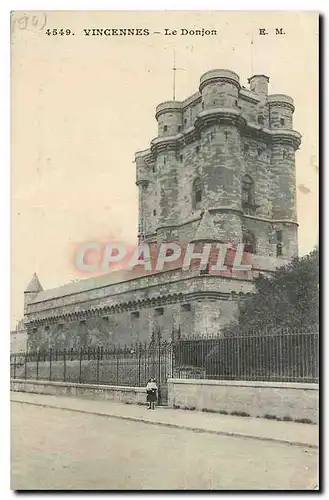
(247, 191)
(196, 194)
(249, 242)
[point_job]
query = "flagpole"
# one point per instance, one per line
(252, 56)
(174, 77)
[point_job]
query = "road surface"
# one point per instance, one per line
(59, 449)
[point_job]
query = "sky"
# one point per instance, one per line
(82, 106)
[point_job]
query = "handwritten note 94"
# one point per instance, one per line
(35, 21)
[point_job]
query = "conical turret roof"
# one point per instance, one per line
(206, 230)
(34, 285)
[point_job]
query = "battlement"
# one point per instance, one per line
(281, 99)
(219, 74)
(168, 107)
(221, 89)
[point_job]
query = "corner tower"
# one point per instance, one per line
(32, 290)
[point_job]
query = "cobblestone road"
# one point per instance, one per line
(59, 449)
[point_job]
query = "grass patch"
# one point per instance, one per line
(239, 414)
(286, 419)
(303, 421)
(270, 417)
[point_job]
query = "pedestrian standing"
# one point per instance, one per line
(152, 393)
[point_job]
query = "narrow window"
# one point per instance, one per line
(154, 212)
(185, 121)
(260, 119)
(236, 102)
(282, 121)
(205, 270)
(249, 242)
(196, 194)
(159, 311)
(226, 135)
(105, 318)
(259, 151)
(165, 127)
(153, 169)
(135, 315)
(247, 191)
(164, 160)
(181, 158)
(179, 128)
(278, 235)
(279, 250)
(202, 105)
(186, 307)
(197, 149)
(46, 328)
(246, 148)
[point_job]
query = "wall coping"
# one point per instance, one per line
(247, 383)
(237, 383)
(122, 388)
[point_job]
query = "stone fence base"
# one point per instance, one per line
(277, 400)
(121, 394)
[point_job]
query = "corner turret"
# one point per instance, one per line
(32, 290)
(219, 89)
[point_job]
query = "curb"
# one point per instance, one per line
(175, 426)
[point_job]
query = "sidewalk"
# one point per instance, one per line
(292, 433)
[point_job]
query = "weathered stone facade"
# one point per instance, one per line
(227, 154)
(18, 338)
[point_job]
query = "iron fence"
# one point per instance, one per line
(283, 356)
(121, 366)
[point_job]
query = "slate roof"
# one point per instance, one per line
(84, 285)
(34, 285)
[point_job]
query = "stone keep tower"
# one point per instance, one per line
(228, 150)
(222, 168)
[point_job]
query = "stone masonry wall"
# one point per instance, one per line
(257, 399)
(127, 328)
(132, 395)
(220, 153)
(78, 321)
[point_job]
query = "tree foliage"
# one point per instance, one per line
(288, 299)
